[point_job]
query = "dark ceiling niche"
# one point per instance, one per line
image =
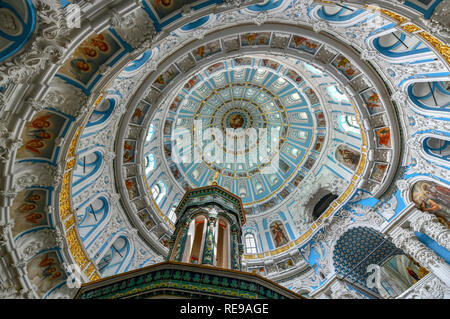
(323, 204)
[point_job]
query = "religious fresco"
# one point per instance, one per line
(29, 210)
(166, 77)
(384, 137)
(320, 119)
(270, 64)
(313, 98)
(40, 136)
(176, 172)
(279, 234)
(257, 270)
(175, 104)
(164, 240)
(45, 272)
(131, 186)
(168, 150)
(285, 264)
(129, 151)
(379, 171)
(397, 274)
(347, 157)
(192, 82)
(432, 198)
(373, 102)
(309, 162)
(294, 76)
(304, 44)
(93, 53)
(215, 67)
(242, 61)
(206, 50)
(346, 67)
(144, 216)
(284, 193)
(319, 143)
(167, 127)
(250, 39)
(296, 181)
(139, 113)
(267, 205)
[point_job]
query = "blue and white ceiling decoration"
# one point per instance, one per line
(18, 21)
(87, 142)
(357, 249)
(262, 97)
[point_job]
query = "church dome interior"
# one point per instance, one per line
(328, 119)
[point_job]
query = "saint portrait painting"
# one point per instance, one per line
(278, 234)
(432, 198)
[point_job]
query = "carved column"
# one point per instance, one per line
(208, 251)
(408, 242)
(429, 225)
(236, 249)
(178, 250)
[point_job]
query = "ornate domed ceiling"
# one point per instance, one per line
(243, 93)
(106, 125)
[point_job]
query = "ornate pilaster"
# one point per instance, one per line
(178, 250)
(237, 249)
(430, 226)
(208, 251)
(408, 242)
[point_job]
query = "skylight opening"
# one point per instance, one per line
(313, 69)
(336, 94)
(349, 124)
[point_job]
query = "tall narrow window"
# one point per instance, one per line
(171, 215)
(150, 164)
(151, 131)
(155, 191)
(163, 192)
(250, 244)
(437, 147)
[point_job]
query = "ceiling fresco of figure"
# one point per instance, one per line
(294, 106)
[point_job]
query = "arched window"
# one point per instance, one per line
(150, 164)
(323, 204)
(349, 124)
(437, 147)
(433, 96)
(91, 217)
(113, 261)
(151, 131)
(338, 13)
(250, 244)
(400, 46)
(171, 215)
(159, 190)
(156, 191)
